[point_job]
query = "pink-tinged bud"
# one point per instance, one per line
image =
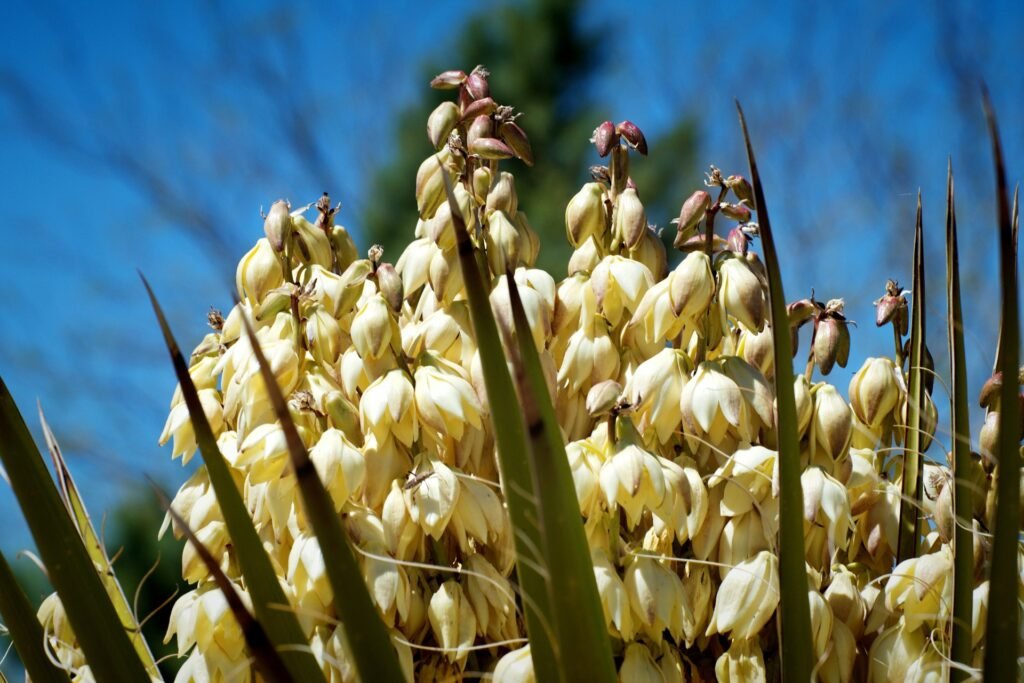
(892, 307)
(482, 127)
(491, 149)
(633, 136)
(741, 188)
(629, 221)
(691, 213)
(515, 137)
(389, 282)
(739, 241)
(800, 312)
(604, 138)
(448, 80)
(278, 224)
(989, 397)
(476, 84)
(737, 212)
(831, 344)
(484, 107)
(441, 123)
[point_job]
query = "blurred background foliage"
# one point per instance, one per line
(149, 136)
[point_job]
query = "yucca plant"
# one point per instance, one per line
(456, 467)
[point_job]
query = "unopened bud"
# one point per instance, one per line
(633, 136)
(629, 221)
(441, 123)
(448, 80)
(602, 397)
(389, 282)
(502, 197)
(484, 107)
(430, 182)
(515, 137)
(586, 214)
(741, 188)
(691, 213)
(989, 397)
(476, 84)
(737, 212)
(892, 307)
(482, 127)
(874, 391)
(481, 183)
(585, 258)
(502, 243)
(604, 138)
(741, 294)
(831, 344)
(278, 224)
(491, 149)
(691, 286)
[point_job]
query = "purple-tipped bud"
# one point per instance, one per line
(737, 212)
(892, 307)
(482, 107)
(605, 138)
(476, 84)
(515, 137)
(482, 127)
(800, 312)
(740, 187)
(831, 344)
(634, 136)
(989, 396)
(490, 149)
(448, 80)
(389, 282)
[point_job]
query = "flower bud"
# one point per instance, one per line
(741, 188)
(831, 344)
(389, 282)
(515, 137)
(892, 307)
(430, 192)
(278, 224)
(441, 123)
(452, 620)
(619, 284)
(691, 286)
(655, 594)
(691, 214)
(585, 258)
(482, 107)
(604, 138)
(445, 401)
(431, 495)
(258, 272)
(491, 149)
(894, 651)
(633, 136)
(737, 212)
(742, 662)
(482, 127)
(629, 221)
(922, 588)
(502, 197)
(654, 390)
(448, 80)
(831, 427)
(602, 397)
(586, 215)
(740, 293)
(476, 84)
(482, 178)
(515, 667)
(747, 597)
(502, 243)
(373, 328)
(874, 391)
(638, 665)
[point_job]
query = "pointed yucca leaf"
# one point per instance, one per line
(25, 629)
(910, 507)
(368, 640)
(1001, 627)
(794, 610)
(268, 661)
(93, 545)
(963, 541)
(518, 481)
(583, 646)
(260, 578)
(101, 635)
(1015, 228)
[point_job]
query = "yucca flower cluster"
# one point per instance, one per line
(662, 384)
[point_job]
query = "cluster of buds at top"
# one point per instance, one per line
(488, 130)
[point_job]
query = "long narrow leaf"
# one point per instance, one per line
(518, 481)
(910, 506)
(584, 648)
(369, 642)
(268, 661)
(94, 546)
(260, 579)
(1003, 637)
(25, 629)
(963, 541)
(794, 611)
(103, 638)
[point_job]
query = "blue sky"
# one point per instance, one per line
(851, 109)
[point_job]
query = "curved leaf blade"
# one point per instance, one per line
(794, 609)
(103, 638)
